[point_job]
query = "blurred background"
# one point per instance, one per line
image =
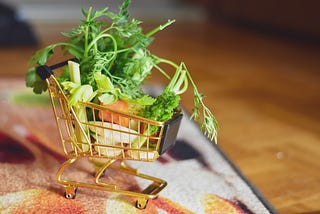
(58, 10)
(257, 62)
(296, 18)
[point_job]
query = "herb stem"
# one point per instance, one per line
(169, 62)
(86, 35)
(161, 27)
(94, 42)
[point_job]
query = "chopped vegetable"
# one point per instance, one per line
(108, 134)
(119, 105)
(74, 70)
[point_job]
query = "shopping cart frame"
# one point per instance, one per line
(83, 145)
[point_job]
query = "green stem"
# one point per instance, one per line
(162, 71)
(182, 80)
(94, 41)
(161, 60)
(179, 77)
(161, 27)
(86, 35)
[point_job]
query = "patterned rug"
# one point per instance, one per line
(200, 177)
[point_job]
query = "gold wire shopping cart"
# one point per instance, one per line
(94, 139)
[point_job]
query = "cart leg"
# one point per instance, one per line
(142, 203)
(101, 172)
(70, 187)
(62, 169)
(70, 192)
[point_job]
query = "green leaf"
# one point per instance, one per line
(107, 98)
(103, 82)
(42, 56)
(124, 9)
(76, 52)
(74, 32)
(83, 93)
(99, 13)
(34, 81)
(70, 86)
(144, 100)
(40, 86)
(31, 77)
(164, 106)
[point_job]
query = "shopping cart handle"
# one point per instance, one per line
(45, 71)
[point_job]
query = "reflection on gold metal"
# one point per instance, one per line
(106, 142)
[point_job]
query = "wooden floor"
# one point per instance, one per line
(264, 91)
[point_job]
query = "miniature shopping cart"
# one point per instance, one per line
(109, 142)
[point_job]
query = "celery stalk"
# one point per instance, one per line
(74, 69)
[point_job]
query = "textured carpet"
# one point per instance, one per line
(200, 177)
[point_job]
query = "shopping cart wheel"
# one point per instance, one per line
(142, 203)
(70, 192)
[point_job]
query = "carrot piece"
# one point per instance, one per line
(108, 116)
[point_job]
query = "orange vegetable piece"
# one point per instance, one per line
(112, 117)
